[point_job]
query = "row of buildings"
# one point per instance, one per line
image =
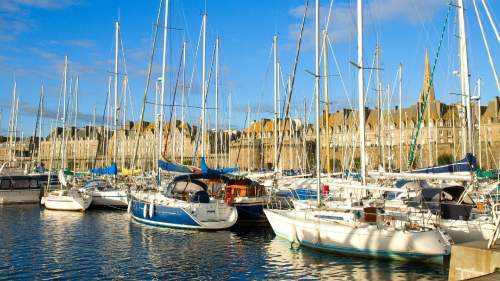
(389, 133)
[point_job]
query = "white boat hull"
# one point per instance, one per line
(73, 201)
(363, 240)
(112, 198)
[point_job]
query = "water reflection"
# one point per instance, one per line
(41, 244)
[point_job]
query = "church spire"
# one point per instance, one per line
(427, 80)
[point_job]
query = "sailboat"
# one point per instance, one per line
(359, 232)
(184, 201)
(66, 198)
(104, 193)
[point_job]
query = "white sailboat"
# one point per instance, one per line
(65, 199)
(362, 233)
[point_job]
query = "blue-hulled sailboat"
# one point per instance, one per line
(184, 203)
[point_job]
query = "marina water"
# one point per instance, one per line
(108, 245)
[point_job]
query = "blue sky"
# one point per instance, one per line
(36, 34)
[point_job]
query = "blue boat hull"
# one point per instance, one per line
(251, 213)
(163, 216)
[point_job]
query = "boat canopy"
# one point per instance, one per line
(445, 201)
(111, 170)
(468, 164)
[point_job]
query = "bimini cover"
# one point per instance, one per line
(193, 183)
(172, 167)
(444, 201)
(468, 164)
(111, 170)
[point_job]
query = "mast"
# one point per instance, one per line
(379, 110)
(464, 75)
(11, 124)
(124, 118)
(327, 111)
(39, 160)
(217, 102)
(63, 152)
(182, 98)
(317, 91)
(76, 118)
(275, 90)
(115, 144)
(203, 85)
(361, 94)
(163, 78)
(400, 117)
(479, 120)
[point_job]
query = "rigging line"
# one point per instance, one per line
(148, 80)
(370, 77)
(492, 22)
(339, 72)
(204, 96)
(290, 91)
(172, 108)
(178, 105)
(431, 82)
(487, 47)
(194, 63)
(259, 108)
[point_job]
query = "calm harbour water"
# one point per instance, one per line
(101, 244)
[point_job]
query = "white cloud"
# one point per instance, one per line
(342, 26)
(18, 5)
(14, 15)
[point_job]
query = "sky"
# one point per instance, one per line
(35, 35)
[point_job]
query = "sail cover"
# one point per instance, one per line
(172, 167)
(111, 170)
(468, 164)
(206, 170)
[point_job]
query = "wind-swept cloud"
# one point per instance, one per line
(14, 15)
(342, 24)
(18, 5)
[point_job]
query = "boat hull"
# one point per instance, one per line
(114, 199)
(175, 217)
(71, 202)
(251, 213)
(368, 241)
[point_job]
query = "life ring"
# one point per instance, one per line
(151, 210)
(145, 211)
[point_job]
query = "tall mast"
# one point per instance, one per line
(216, 102)
(76, 119)
(163, 81)
(275, 90)
(464, 74)
(203, 85)
(327, 111)
(124, 118)
(11, 124)
(39, 160)
(115, 144)
(379, 110)
(182, 98)
(479, 120)
(400, 117)
(63, 152)
(317, 91)
(361, 92)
